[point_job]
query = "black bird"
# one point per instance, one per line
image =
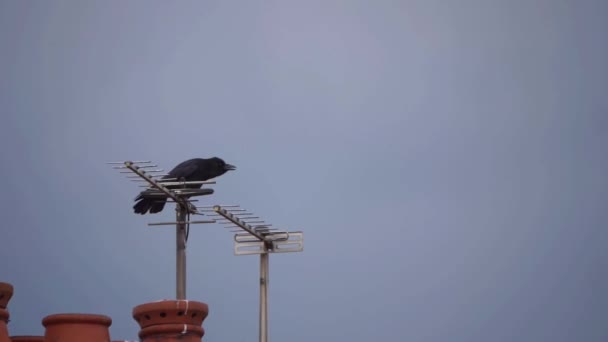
(197, 169)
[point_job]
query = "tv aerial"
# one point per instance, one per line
(252, 235)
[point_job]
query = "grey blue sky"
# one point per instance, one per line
(446, 160)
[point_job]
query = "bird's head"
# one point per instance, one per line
(222, 166)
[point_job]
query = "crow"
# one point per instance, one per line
(197, 169)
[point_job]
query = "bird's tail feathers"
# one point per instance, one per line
(142, 206)
(145, 204)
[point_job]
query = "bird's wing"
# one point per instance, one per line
(185, 169)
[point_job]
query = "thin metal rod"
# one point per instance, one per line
(264, 296)
(213, 210)
(180, 222)
(219, 205)
(172, 183)
(180, 256)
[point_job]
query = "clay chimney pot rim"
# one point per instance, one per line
(76, 318)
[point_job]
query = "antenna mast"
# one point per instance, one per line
(179, 192)
(252, 235)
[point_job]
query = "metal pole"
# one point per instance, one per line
(263, 296)
(180, 259)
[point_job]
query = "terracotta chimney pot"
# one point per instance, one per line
(27, 338)
(6, 292)
(3, 329)
(76, 328)
(171, 321)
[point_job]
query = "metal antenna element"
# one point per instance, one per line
(258, 239)
(180, 194)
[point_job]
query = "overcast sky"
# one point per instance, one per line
(447, 161)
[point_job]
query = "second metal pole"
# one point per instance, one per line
(263, 296)
(180, 257)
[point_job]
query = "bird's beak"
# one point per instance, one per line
(229, 167)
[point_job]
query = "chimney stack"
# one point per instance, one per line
(6, 292)
(27, 338)
(77, 328)
(171, 321)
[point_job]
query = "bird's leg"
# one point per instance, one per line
(269, 245)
